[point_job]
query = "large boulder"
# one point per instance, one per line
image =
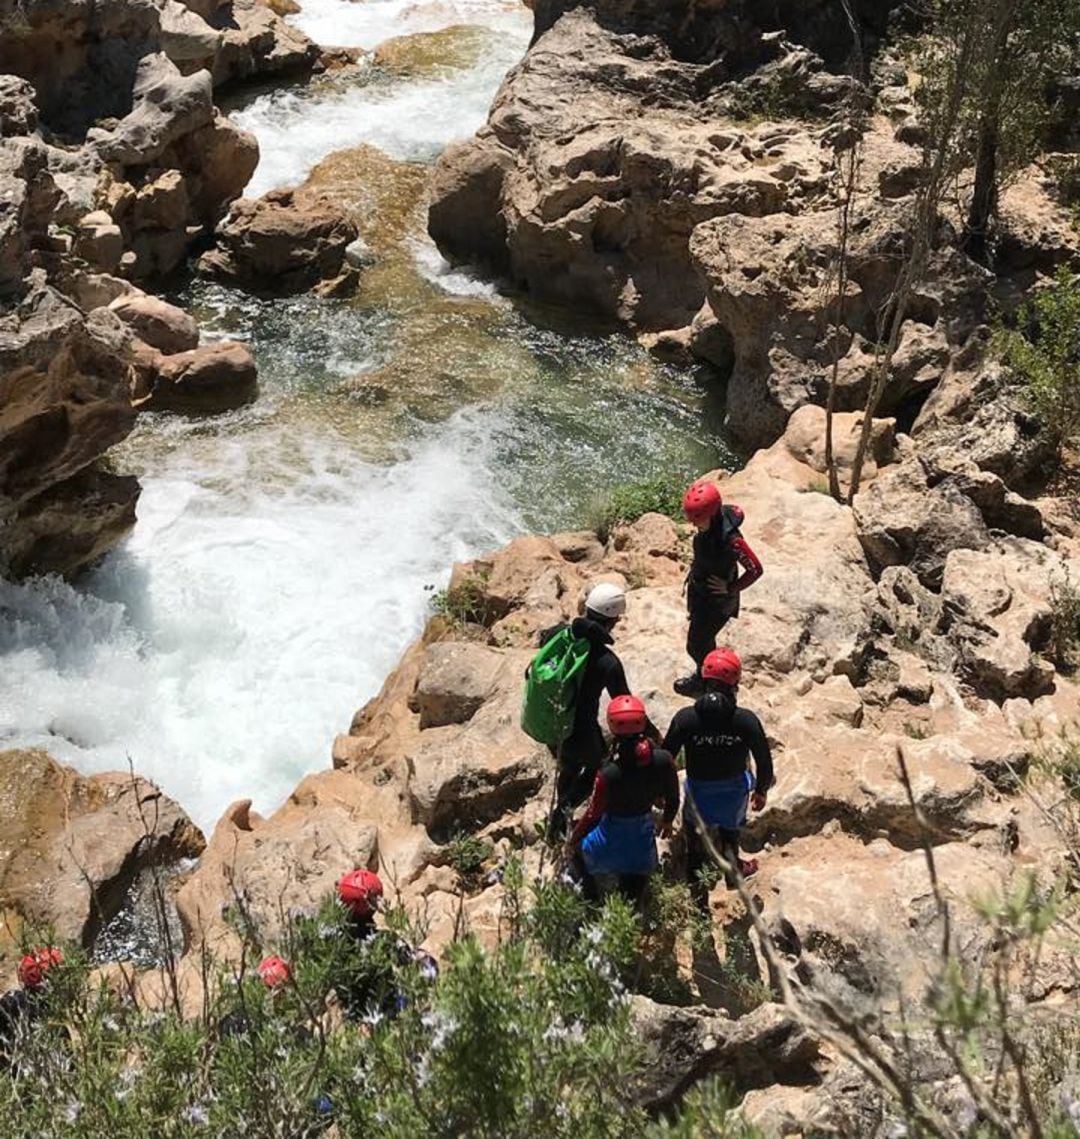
(256, 42)
(454, 682)
(205, 380)
(73, 845)
(166, 106)
(281, 243)
(162, 325)
(903, 520)
(65, 398)
(81, 55)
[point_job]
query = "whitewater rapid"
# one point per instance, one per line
(274, 575)
(285, 554)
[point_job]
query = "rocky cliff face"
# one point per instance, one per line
(694, 198)
(114, 161)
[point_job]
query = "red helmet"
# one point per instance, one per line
(360, 891)
(274, 971)
(626, 716)
(36, 963)
(724, 665)
(701, 502)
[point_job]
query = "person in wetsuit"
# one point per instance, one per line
(723, 565)
(21, 1008)
(613, 846)
(368, 987)
(719, 739)
(582, 752)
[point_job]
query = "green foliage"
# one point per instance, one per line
(467, 854)
(709, 1113)
(532, 1037)
(629, 501)
(464, 603)
(1044, 351)
(1064, 622)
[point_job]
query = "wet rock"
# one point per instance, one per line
(280, 244)
(72, 845)
(213, 378)
(425, 54)
(156, 322)
(71, 525)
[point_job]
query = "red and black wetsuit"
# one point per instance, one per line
(720, 553)
(615, 836)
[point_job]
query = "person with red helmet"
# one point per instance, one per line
(613, 845)
(275, 973)
(369, 983)
(21, 1007)
(723, 565)
(719, 739)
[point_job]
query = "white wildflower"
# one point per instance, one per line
(196, 1113)
(72, 1110)
(594, 935)
(1071, 1105)
(374, 1018)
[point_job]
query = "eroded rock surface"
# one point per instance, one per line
(71, 845)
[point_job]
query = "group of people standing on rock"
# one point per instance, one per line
(612, 846)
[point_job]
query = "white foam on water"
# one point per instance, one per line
(228, 642)
(367, 23)
(412, 121)
(435, 268)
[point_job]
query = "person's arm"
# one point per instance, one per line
(593, 812)
(670, 794)
(751, 567)
(615, 677)
(764, 776)
(675, 739)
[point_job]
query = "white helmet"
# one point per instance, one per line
(606, 600)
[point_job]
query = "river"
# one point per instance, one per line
(285, 554)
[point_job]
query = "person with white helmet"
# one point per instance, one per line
(584, 750)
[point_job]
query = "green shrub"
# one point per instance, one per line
(629, 501)
(1064, 622)
(467, 854)
(532, 1037)
(464, 603)
(1044, 351)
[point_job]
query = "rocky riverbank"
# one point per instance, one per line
(900, 651)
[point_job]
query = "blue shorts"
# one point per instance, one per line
(621, 844)
(720, 802)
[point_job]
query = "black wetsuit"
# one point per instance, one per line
(719, 739)
(720, 552)
(583, 750)
(369, 985)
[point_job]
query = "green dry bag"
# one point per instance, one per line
(551, 684)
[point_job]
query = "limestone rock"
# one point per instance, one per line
(997, 608)
(72, 845)
(99, 241)
(156, 322)
(213, 378)
(218, 160)
(64, 384)
(256, 41)
(686, 1045)
(904, 521)
(71, 524)
(804, 437)
(167, 106)
(280, 244)
(186, 38)
(454, 682)
(18, 107)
